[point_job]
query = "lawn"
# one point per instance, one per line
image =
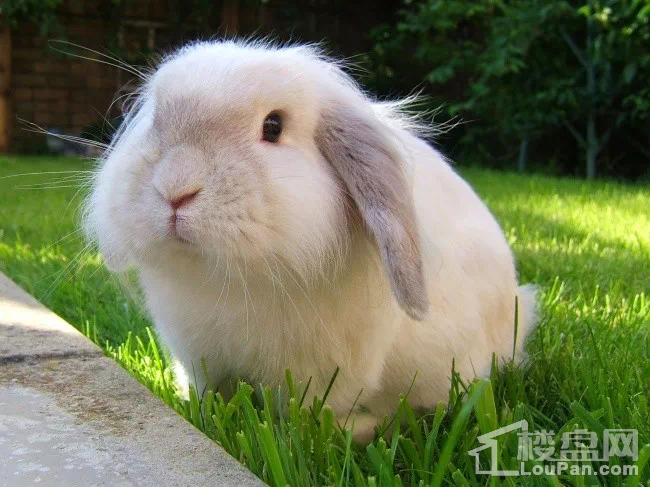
(587, 245)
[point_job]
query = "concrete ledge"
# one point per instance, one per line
(29, 329)
(69, 416)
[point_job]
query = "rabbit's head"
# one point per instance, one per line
(249, 151)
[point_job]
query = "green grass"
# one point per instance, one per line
(587, 245)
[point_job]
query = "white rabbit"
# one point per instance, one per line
(279, 218)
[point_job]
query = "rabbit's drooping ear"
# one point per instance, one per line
(361, 149)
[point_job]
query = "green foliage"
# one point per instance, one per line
(40, 12)
(586, 244)
(44, 13)
(535, 70)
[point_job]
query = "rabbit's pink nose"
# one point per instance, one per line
(183, 199)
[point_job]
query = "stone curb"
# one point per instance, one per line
(70, 416)
(28, 329)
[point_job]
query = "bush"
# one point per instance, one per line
(536, 81)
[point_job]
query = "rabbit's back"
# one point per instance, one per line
(472, 286)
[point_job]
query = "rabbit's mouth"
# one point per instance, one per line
(177, 229)
(181, 239)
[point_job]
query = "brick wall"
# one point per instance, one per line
(55, 90)
(66, 93)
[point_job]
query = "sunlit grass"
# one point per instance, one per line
(587, 245)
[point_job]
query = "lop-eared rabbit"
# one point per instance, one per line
(279, 218)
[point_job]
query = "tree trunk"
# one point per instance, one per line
(5, 87)
(523, 155)
(593, 147)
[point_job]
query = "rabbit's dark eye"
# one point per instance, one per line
(272, 127)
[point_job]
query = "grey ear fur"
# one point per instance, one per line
(361, 149)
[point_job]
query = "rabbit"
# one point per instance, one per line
(280, 218)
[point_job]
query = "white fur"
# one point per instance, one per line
(276, 276)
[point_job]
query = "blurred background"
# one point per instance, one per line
(556, 87)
